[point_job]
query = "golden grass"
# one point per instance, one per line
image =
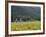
(28, 25)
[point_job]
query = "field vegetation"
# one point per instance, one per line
(27, 25)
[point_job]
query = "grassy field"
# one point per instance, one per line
(33, 25)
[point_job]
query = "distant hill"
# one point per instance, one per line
(34, 12)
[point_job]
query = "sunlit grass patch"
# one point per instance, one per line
(28, 25)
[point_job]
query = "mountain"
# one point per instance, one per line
(32, 11)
